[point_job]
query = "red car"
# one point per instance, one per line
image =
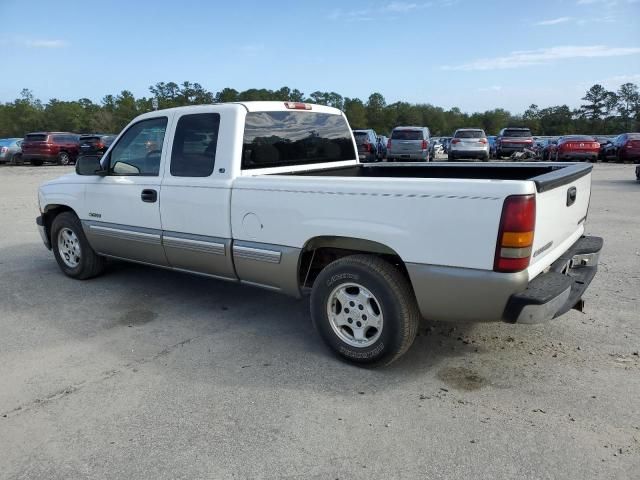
(625, 147)
(576, 147)
(57, 147)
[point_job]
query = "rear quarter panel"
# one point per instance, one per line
(430, 221)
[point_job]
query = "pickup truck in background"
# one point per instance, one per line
(272, 194)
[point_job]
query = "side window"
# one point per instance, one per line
(139, 150)
(194, 145)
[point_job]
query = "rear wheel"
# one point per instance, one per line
(64, 158)
(364, 310)
(619, 158)
(16, 159)
(71, 249)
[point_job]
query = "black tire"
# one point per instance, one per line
(16, 159)
(485, 158)
(450, 158)
(90, 264)
(393, 296)
(37, 163)
(64, 158)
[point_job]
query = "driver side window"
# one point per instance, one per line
(139, 150)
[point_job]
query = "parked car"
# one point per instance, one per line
(409, 143)
(293, 210)
(446, 142)
(548, 148)
(367, 142)
(95, 144)
(10, 151)
(382, 147)
(513, 139)
(492, 145)
(469, 143)
(436, 147)
(576, 147)
(56, 147)
(625, 147)
(604, 142)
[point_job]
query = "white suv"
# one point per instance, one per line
(469, 143)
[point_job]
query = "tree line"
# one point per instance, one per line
(603, 111)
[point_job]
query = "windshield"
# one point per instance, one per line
(406, 135)
(470, 134)
(36, 137)
(517, 133)
(361, 137)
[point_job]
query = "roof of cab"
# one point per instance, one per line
(257, 106)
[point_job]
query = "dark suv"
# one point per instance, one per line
(511, 140)
(95, 143)
(57, 147)
(367, 142)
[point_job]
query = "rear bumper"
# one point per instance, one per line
(470, 295)
(511, 148)
(475, 153)
(420, 156)
(578, 156)
(557, 291)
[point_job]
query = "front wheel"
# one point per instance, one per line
(64, 158)
(71, 249)
(365, 310)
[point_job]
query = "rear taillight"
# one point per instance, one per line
(367, 146)
(99, 145)
(483, 141)
(3, 149)
(455, 140)
(515, 236)
(425, 144)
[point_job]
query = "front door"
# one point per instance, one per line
(196, 197)
(123, 213)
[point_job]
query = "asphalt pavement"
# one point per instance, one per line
(149, 374)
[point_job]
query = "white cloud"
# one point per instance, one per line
(553, 21)
(45, 43)
(398, 7)
(526, 58)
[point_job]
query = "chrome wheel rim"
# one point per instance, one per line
(69, 247)
(64, 159)
(355, 315)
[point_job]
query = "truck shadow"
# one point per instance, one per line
(239, 328)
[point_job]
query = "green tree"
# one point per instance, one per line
(355, 111)
(628, 104)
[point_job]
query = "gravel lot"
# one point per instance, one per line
(145, 373)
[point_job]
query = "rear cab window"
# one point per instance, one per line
(470, 134)
(407, 135)
(518, 132)
(289, 138)
(35, 137)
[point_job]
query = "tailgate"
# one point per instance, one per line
(561, 212)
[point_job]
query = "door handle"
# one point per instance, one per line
(149, 196)
(572, 194)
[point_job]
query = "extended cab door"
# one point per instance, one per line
(122, 217)
(195, 198)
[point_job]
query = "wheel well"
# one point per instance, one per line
(50, 213)
(321, 251)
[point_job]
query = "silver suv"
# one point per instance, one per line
(409, 143)
(469, 143)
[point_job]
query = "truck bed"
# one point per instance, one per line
(545, 175)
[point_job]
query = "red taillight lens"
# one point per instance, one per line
(99, 145)
(367, 146)
(483, 141)
(425, 144)
(515, 236)
(455, 140)
(297, 106)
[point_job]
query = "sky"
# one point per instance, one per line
(473, 54)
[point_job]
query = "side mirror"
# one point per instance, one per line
(89, 165)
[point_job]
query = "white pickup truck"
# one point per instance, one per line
(272, 194)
